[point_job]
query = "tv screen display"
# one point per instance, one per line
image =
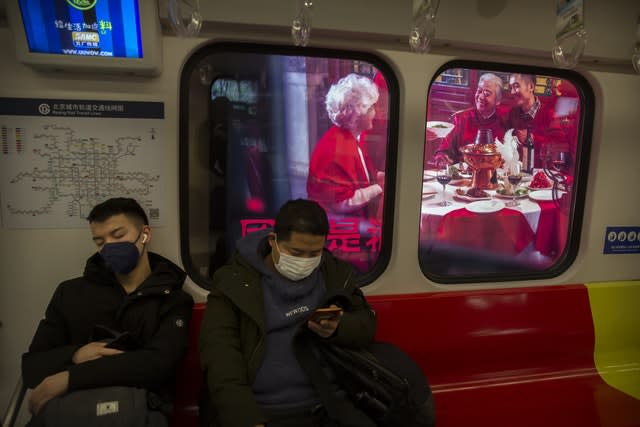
(83, 27)
(100, 36)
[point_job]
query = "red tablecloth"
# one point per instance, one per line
(506, 231)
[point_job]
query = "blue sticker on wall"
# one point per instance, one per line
(622, 240)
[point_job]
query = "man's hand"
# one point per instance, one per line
(326, 327)
(92, 351)
(441, 158)
(52, 386)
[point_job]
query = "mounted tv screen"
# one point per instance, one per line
(116, 35)
(93, 28)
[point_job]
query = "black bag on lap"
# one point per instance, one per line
(101, 407)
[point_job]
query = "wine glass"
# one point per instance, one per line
(443, 176)
(514, 180)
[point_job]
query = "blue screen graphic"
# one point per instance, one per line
(83, 27)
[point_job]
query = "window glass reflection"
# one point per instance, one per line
(283, 127)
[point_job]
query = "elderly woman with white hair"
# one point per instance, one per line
(341, 175)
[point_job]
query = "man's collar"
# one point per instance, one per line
(531, 113)
(485, 118)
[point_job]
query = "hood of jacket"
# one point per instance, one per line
(252, 248)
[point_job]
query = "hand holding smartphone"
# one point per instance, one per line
(123, 342)
(325, 313)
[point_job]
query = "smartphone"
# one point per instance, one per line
(325, 313)
(123, 342)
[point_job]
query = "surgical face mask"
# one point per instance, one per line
(293, 267)
(121, 257)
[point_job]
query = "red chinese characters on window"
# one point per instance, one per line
(375, 240)
(249, 226)
(344, 234)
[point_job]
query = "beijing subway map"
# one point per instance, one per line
(55, 169)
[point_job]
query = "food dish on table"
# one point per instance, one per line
(440, 129)
(461, 194)
(520, 193)
(460, 182)
(540, 182)
(459, 171)
(460, 175)
(476, 192)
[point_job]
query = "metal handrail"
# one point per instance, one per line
(10, 415)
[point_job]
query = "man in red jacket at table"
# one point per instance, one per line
(467, 122)
(531, 118)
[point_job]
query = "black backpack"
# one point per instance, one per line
(114, 406)
(380, 380)
(383, 382)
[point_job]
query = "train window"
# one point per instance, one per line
(260, 125)
(505, 164)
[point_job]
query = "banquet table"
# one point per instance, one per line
(507, 231)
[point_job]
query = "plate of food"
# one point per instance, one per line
(461, 169)
(461, 182)
(460, 175)
(440, 129)
(521, 192)
(544, 195)
(485, 206)
(540, 182)
(462, 194)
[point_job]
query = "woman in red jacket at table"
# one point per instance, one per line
(342, 177)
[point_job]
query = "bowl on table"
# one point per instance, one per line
(439, 129)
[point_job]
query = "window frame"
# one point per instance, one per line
(190, 66)
(582, 161)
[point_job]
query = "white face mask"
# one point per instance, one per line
(293, 267)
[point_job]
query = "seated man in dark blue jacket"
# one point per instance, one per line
(258, 305)
(125, 289)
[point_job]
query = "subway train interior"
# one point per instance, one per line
(499, 245)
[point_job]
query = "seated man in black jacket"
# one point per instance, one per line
(126, 289)
(259, 303)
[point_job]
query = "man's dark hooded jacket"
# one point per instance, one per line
(156, 315)
(233, 334)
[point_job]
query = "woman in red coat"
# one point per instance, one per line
(342, 177)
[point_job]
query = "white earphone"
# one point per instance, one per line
(144, 238)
